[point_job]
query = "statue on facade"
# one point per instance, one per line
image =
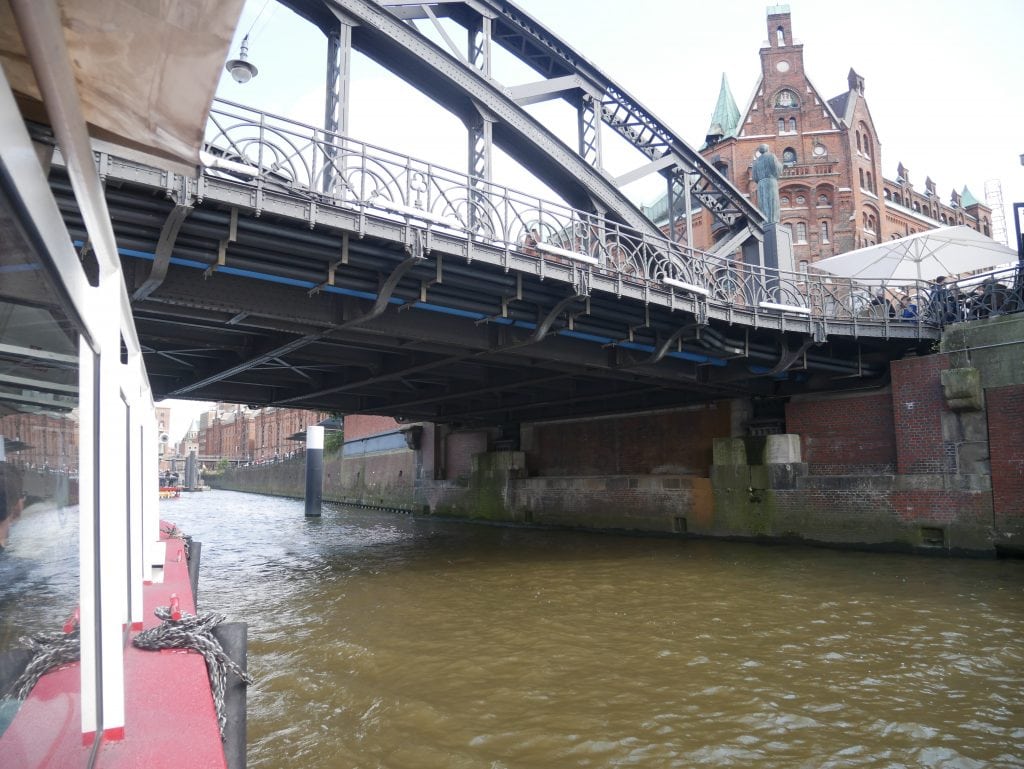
(766, 172)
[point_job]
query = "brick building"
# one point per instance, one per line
(242, 434)
(834, 197)
(41, 440)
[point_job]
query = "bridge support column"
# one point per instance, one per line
(339, 72)
(314, 470)
(589, 116)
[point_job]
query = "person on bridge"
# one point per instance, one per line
(908, 310)
(881, 307)
(766, 172)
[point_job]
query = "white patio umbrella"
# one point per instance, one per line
(922, 256)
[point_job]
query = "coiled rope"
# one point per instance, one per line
(49, 650)
(173, 532)
(194, 632)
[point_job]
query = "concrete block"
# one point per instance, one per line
(782, 449)
(759, 476)
(783, 476)
(961, 387)
(973, 458)
(730, 477)
(729, 451)
(974, 426)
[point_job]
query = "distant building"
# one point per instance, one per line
(44, 441)
(834, 197)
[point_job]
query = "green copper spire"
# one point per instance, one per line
(967, 199)
(727, 115)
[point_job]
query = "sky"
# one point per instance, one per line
(942, 81)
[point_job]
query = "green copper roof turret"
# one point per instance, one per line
(726, 118)
(967, 199)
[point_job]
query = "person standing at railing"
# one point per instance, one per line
(908, 310)
(881, 307)
(941, 305)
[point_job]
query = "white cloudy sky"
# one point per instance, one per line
(943, 80)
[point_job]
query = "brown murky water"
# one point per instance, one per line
(384, 641)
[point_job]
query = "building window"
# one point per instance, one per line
(823, 200)
(867, 144)
(784, 201)
(824, 232)
(789, 156)
(780, 36)
(801, 232)
(782, 125)
(886, 194)
(861, 171)
(803, 266)
(858, 141)
(792, 125)
(917, 206)
(871, 182)
(800, 200)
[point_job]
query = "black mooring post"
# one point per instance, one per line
(314, 469)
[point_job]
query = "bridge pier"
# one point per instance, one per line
(314, 470)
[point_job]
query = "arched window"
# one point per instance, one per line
(858, 141)
(871, 182)
(867, 144)
(792, 124)
(861, 170)
(800, 200)
(823, 200)
(801, 232)
(789, 156)
(782, 125)
(803, 266)
(786, 99)
(780, 36)
(917, 206)
(784, 201)
(887, 195)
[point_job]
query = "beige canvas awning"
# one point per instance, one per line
(146, 71)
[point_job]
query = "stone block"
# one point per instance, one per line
(730, 477)
(961, 387)
(783, 476)
(974, 426)
(782, 449)
(759, 476)
(729, 451)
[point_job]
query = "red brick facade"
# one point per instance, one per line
(675, 442)
(919, 406)
(49, 442)
(832, 192)
(1006, 438)
(842, 435)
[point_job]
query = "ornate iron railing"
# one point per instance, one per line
(328, 168)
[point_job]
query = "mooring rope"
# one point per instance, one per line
(49, 650)
(194, 632)
(173, 532)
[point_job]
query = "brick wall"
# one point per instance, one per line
(1006, 441)
(677, 442)
(460, 448)
(362, 425)
(845, 435)
(917, 414)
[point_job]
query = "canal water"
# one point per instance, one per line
(383, 641)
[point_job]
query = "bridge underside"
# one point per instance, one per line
(286, 315)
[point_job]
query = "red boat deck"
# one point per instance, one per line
(170, 718)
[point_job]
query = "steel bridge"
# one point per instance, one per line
(304, 268)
